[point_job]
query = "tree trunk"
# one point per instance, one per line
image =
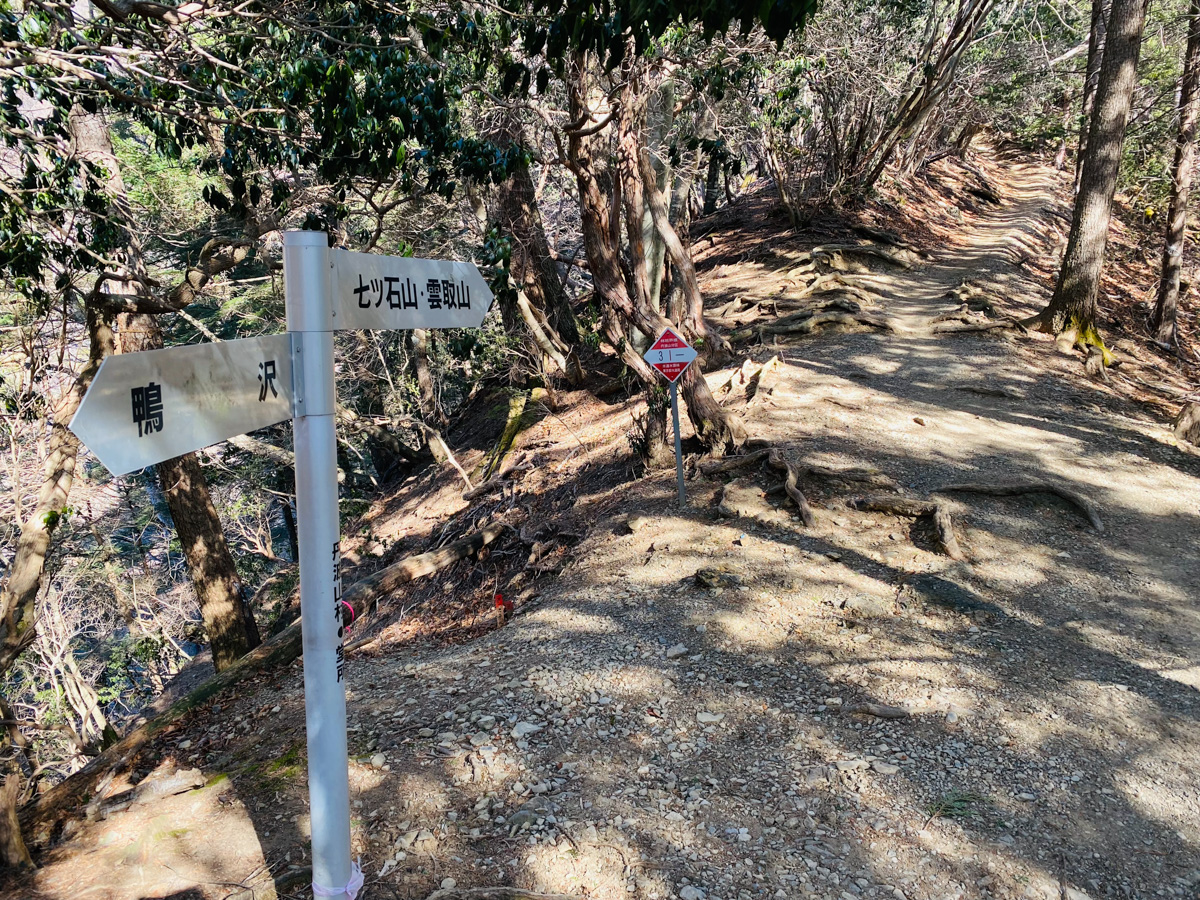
(533, 267)
(660, 115)
(431, 410)
(1071, 313)
(289, 523)
(1091, 78)
(712, 183)
(231, 629)
(681, 221)
(931, 78)
(13, 854)
(630, 119)
(19, 598)
(711, 421)
(1166, 308)
(714, 346)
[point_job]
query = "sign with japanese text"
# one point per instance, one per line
(384, 293)
(143, 408)
(670, 354)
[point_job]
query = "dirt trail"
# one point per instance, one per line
(997, 243)
(682, 713)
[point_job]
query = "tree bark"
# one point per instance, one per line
(1071, 313)
(714, 344)
(1167, 305)
(19, 598)
(630, 119)
(431, 410)
(533, 267)
(712, 183)
(1091, 78)
(231, 629)
(660, 115)
(716, 427)
(13, 854)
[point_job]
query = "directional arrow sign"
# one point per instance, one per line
(670, 354)
(143, 408)
(395, 292)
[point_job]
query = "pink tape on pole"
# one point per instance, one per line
(351, 608)
(350, 890)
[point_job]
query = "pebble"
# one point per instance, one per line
(523, 729)
(449, 884)
(677, 651)
(707, 718)
(379, 760)
(884, 768)
(689, 892)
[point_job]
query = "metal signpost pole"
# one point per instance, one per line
(678, 445)
(307, 278)
(145, 407)
(671, 355)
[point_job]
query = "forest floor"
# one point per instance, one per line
(684, 704)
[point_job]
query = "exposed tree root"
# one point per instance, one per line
(883, 236)
(762, 383)
(1094, 363)
(441, 450)
(973, 298)
(870, 476)
(776, 460)
(810, 320)
(39, 816)
(752, 380)
(964, 324)
(512, 427)
(904, 506)
(732, 463)
(828, 254)
(497, 482)
(1015, 488)
(1069, 331)
(1187, 424)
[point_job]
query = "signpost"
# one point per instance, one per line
(671, 355)
(143, 408)
(385, 293)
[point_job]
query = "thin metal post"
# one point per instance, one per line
(307, 286)
(678, 445)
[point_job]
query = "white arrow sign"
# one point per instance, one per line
(385, 293)
(143, 408)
